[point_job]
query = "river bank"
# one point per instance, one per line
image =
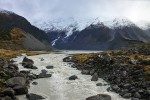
(81, 75)
(127, 71)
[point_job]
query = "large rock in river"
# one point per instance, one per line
(16, 81)
(99, 97)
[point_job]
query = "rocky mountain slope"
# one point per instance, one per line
(17, 33)
(96, 35)
(148, 31)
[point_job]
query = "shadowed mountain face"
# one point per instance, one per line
(99, 37)
(9, 22)
(147, 31)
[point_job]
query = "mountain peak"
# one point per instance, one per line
(122, 22)
(119, 23)
(6, 12)
(81, 24)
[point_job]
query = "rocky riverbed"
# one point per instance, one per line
(76, 75)
(49, 78)
(16, 82)
(127, 71)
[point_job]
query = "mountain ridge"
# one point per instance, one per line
(98, 35)
(10, 21)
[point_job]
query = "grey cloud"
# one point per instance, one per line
(33, 10)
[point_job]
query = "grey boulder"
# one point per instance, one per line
(99, 97)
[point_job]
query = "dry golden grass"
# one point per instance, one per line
(7, 54)
(15, 41)
(16, 34)
(82, 57)
(147, 69)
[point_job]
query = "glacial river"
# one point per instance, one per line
(58, 87)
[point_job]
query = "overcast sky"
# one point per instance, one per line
(33, 10)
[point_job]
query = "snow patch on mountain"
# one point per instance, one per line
(80, 24)
(118, 23)
(54, 41)
(71, 25)
(6, 12)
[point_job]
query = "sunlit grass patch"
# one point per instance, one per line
(82, 57)
(8, 54)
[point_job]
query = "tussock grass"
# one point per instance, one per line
(82, 57)
(123, 57)
(8, 54)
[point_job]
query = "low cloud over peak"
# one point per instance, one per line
(36, 10)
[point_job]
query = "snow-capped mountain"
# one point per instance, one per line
(70, 24)
(120, 22)
(82, 23)
(2, 11)
(94, 33)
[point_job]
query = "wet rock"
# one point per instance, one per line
(124, 91)
(15, 98)
(44, 75)
(5, 98)
(13, 66)
(92, 71)
(34, 83)
(2, 63)
(20, 90)
(137, 95)
(21, 81)
(33, 76)
(115, 88)
(44, 71)
(25, 71)
(135, 99)
(5, 65)
(94, 77)
(32, 96)
(49, 67)
(106, 84)
(109, 89)
(74, 77)
(124, 73)
(127, 95)
(126, 86)
(28, 63)
(8, 92)
(3, 74)
(42, 59)
(67, 59)
(27, 60)
(86, 72)
(29, 66)
(148, 92)
(18, 74)
(99, 84)
(34, 67)
(137, 72)
(10, 73)
(99, 97)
